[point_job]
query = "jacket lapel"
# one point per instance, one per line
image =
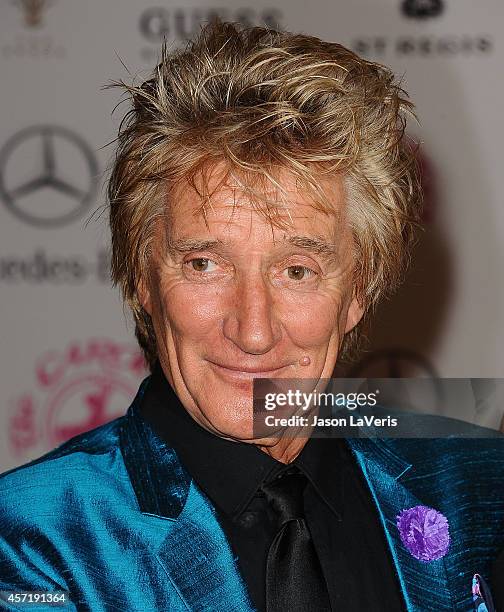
(195, 554)
(198, 560)
(424, 585)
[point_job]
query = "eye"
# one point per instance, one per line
(298, 273)
(202, 264)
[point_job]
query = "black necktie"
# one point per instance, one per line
(294, 579)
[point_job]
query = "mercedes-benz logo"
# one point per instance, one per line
(401, 363)
(393, 363)
(48, 175)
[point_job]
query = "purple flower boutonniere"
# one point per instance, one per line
(424, 532)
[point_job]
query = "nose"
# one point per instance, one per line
(250, 322)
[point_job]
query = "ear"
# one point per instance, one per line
(354, 314)
(144, 296)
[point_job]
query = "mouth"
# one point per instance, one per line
(246, 373)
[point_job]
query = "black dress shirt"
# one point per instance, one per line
(340, 513)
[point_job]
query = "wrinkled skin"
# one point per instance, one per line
(239, 298)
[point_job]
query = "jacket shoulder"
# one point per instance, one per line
(462, 451)
(58, 502)
(92, 458)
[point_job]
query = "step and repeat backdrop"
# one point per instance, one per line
(68, 357)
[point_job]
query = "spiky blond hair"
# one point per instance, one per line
(262, 100)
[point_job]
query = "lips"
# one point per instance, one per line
(244, 370)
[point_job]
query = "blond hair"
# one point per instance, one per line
(262, 100)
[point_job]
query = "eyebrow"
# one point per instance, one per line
(309, 243)
(316, 245)
(187, 245)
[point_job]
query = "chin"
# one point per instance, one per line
(230, 419)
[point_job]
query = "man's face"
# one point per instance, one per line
(241, 298)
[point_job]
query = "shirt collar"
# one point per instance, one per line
(229, 472)
(325, 462)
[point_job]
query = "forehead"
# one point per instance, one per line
(224, 202)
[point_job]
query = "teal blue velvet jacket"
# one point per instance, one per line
(112, 518)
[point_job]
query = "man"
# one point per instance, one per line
(261, 201)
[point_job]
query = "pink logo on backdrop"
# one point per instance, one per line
(76, 389)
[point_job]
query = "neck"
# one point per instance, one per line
(284, 450)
